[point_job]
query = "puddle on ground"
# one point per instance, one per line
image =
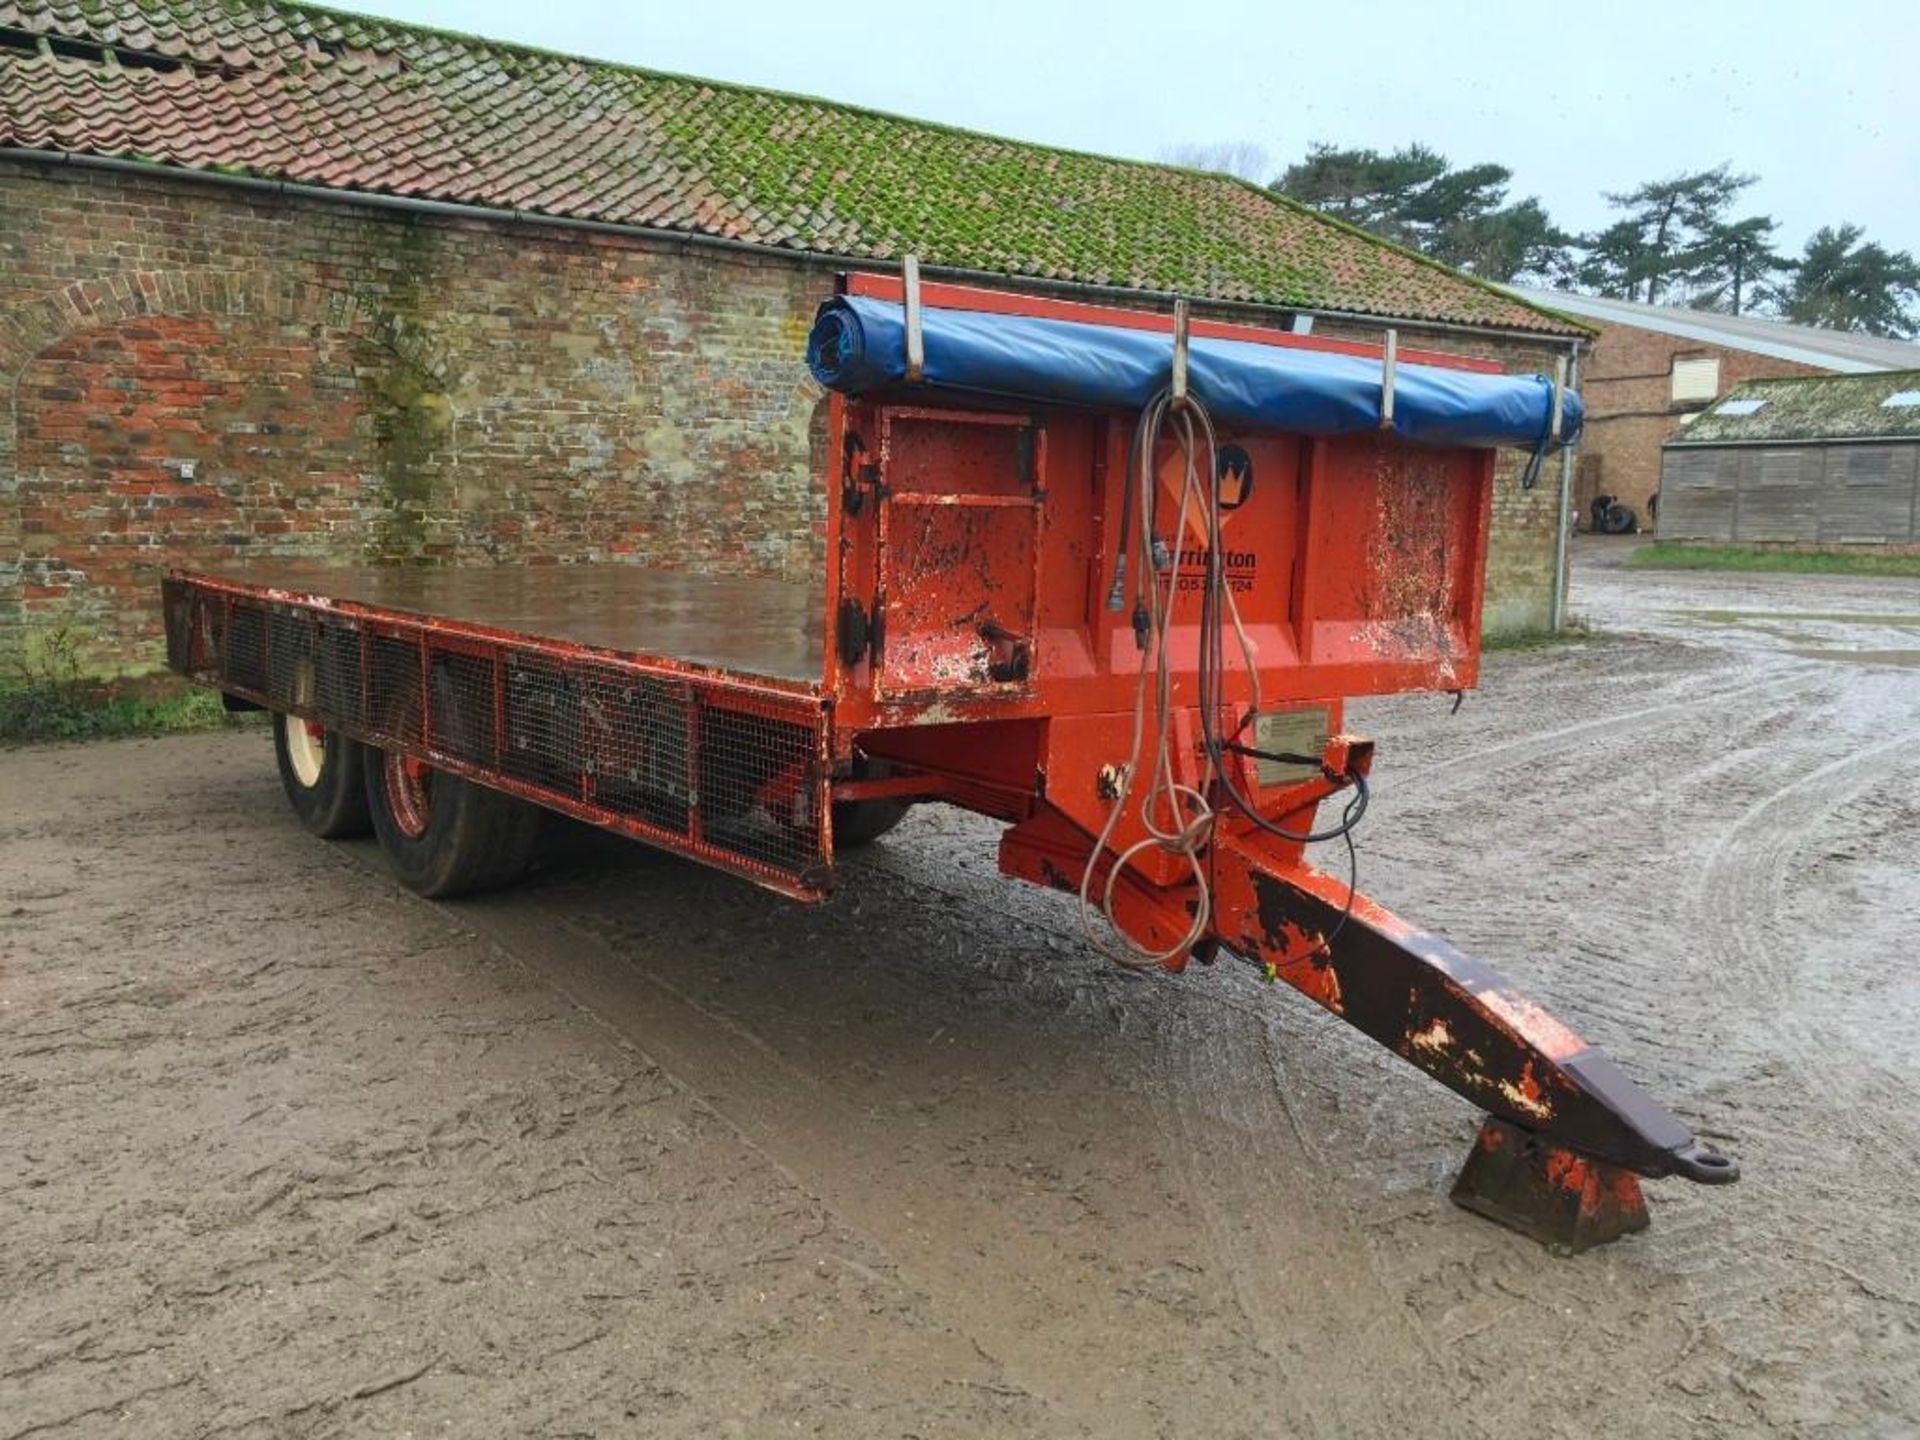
(1826, 617)
(1904, 659)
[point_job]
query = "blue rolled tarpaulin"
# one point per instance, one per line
(859, 344)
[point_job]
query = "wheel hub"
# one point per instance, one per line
(306, 749)
(408, 784)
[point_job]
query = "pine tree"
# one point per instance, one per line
(1846, 283)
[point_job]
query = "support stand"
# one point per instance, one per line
(1567, 1201)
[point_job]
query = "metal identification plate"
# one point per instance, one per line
(1300, 731)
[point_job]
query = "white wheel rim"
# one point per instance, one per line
(306, 749)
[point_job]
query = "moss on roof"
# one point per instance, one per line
(1812, 407)
(325, 97)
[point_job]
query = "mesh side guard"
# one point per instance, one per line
(731, 773)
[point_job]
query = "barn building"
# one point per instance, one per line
(1652, 370)
(1819, 462)
(281, 281)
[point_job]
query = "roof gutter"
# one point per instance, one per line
(685, 239)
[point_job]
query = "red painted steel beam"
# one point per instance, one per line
(1454, 1017)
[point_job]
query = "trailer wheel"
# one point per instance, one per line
(861, 822)
(321, 771)
(445, 836)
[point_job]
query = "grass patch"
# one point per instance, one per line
(1671, 555)
(50, 693)
(29, 713)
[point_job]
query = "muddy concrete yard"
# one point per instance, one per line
(636, 1150)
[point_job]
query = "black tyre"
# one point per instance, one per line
(322, 773)
(861, 822)
(445, 836)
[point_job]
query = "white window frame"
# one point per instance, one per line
(1695, 379)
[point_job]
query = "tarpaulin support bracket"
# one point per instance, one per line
(1182, 340)
(1389, 363)
(916, 336)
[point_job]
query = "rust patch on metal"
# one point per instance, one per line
(1531, 1023)
(1526, 1094)
(1568, 1201)
(1434, 1038)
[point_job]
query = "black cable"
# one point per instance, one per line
(1116, 596)
(1325, 947)
(1212, 662)
(1530, 476)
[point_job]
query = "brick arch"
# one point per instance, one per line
(33, 325)
(125, 303)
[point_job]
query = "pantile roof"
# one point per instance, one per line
(318, 97)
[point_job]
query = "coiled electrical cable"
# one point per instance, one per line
(1178, 818)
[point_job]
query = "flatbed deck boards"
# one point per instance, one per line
(742, 625)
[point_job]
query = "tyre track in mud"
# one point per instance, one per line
(1697, 964)
(1753, 938)
(1068, 1303)
(289, 1153)
(1482, 760)
(1307, 1170)
(1600, 958)
(1223, 1214)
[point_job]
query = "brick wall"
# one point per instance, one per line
(1626, 380)
(203, 375)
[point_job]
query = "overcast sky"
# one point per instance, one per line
(1819, 100)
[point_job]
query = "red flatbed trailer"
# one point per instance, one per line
(963, 645)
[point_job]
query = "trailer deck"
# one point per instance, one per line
(749, 627)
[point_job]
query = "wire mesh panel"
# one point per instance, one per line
(209, 632)
(246, 649)
(465, 724)
(396, 714)
(756, 798)
(633, 737)
(289, 659)
(729, 772)
(543, 721)
(339, 688)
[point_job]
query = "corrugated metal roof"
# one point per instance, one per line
(1812, 407)
(291, 92)
(1840, 351)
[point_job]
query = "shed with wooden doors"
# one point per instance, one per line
(1655, 369)
(1814, 461)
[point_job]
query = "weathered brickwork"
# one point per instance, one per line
(204, 375)
(1627, 381)
(173, 435)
